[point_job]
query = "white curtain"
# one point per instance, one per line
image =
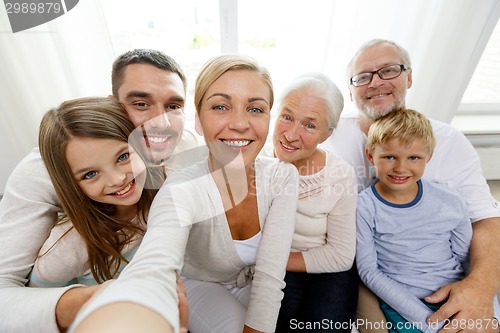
(66, 58)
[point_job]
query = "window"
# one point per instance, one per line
(479, 112)
(484, 86)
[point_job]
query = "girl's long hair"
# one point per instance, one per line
(104, 235)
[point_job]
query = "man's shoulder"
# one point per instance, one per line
(442, 129)
(30, 166)
(349, 117)
(450, 141)
(29, 184)
(33, 156)
(347, 126)
(345, 135)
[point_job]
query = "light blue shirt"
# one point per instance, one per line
(406, 252)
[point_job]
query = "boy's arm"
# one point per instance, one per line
(461, 237)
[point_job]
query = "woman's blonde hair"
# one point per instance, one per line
(104, 235)
(406, 125)
(219, 65)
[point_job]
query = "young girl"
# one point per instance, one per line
(99, 180)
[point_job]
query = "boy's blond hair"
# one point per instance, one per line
(406, 125)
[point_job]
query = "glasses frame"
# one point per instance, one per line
(401, 66)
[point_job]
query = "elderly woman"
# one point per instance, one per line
(321, 285)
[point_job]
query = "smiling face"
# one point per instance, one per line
(108, 171)
(234, 116)
(301, 125)
(379, 97)
(399, 166)
(154, 101)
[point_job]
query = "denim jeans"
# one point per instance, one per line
(323, 302)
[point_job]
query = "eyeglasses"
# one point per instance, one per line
(385, 73)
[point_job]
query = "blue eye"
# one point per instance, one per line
(389, 158)
(123, 157)
(219, 107)
(255, 110)
(90, 175)
(414, 158)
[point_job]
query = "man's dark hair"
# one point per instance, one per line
(143, 56)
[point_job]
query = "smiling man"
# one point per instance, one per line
(152, 88)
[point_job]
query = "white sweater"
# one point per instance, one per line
(325, 229)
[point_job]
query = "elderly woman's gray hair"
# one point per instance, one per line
(322, 87)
